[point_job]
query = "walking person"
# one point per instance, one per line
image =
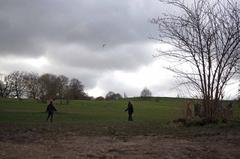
(50, 109)
(130, 111)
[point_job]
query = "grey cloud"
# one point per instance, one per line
(27, 25)
(109, 83)
(121, 57)
(70, 34)
(87, 77)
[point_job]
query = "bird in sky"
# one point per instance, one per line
(104, 45)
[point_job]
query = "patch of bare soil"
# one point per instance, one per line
(29, 145)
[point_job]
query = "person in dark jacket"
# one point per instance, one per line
(50, 109)
(130, 111)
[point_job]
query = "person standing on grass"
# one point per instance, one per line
(50, 109)
(130, 111)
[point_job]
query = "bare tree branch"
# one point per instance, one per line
(206, 36)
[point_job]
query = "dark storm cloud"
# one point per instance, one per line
(28, 25)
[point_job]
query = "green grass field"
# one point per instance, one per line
(28, 111)
(97, 117)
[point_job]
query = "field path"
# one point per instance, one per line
(140, 147)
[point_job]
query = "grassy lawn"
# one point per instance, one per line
(27, 111)
(94, 117)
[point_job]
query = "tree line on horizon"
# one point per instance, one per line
(21, 84)
(30, 85)
(116, 96)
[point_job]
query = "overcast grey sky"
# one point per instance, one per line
(66, 37)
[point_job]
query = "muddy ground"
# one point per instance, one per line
(30, 144)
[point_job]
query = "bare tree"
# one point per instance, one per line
(17, 82)
(5, 87)
(113, 96)
(48, 86)
(238, 96)
(206, 37)
(238, 81)
(109, 95)
(2, 88)
(146, 93)
(33, 86)
(76, 90)
(62, 86)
